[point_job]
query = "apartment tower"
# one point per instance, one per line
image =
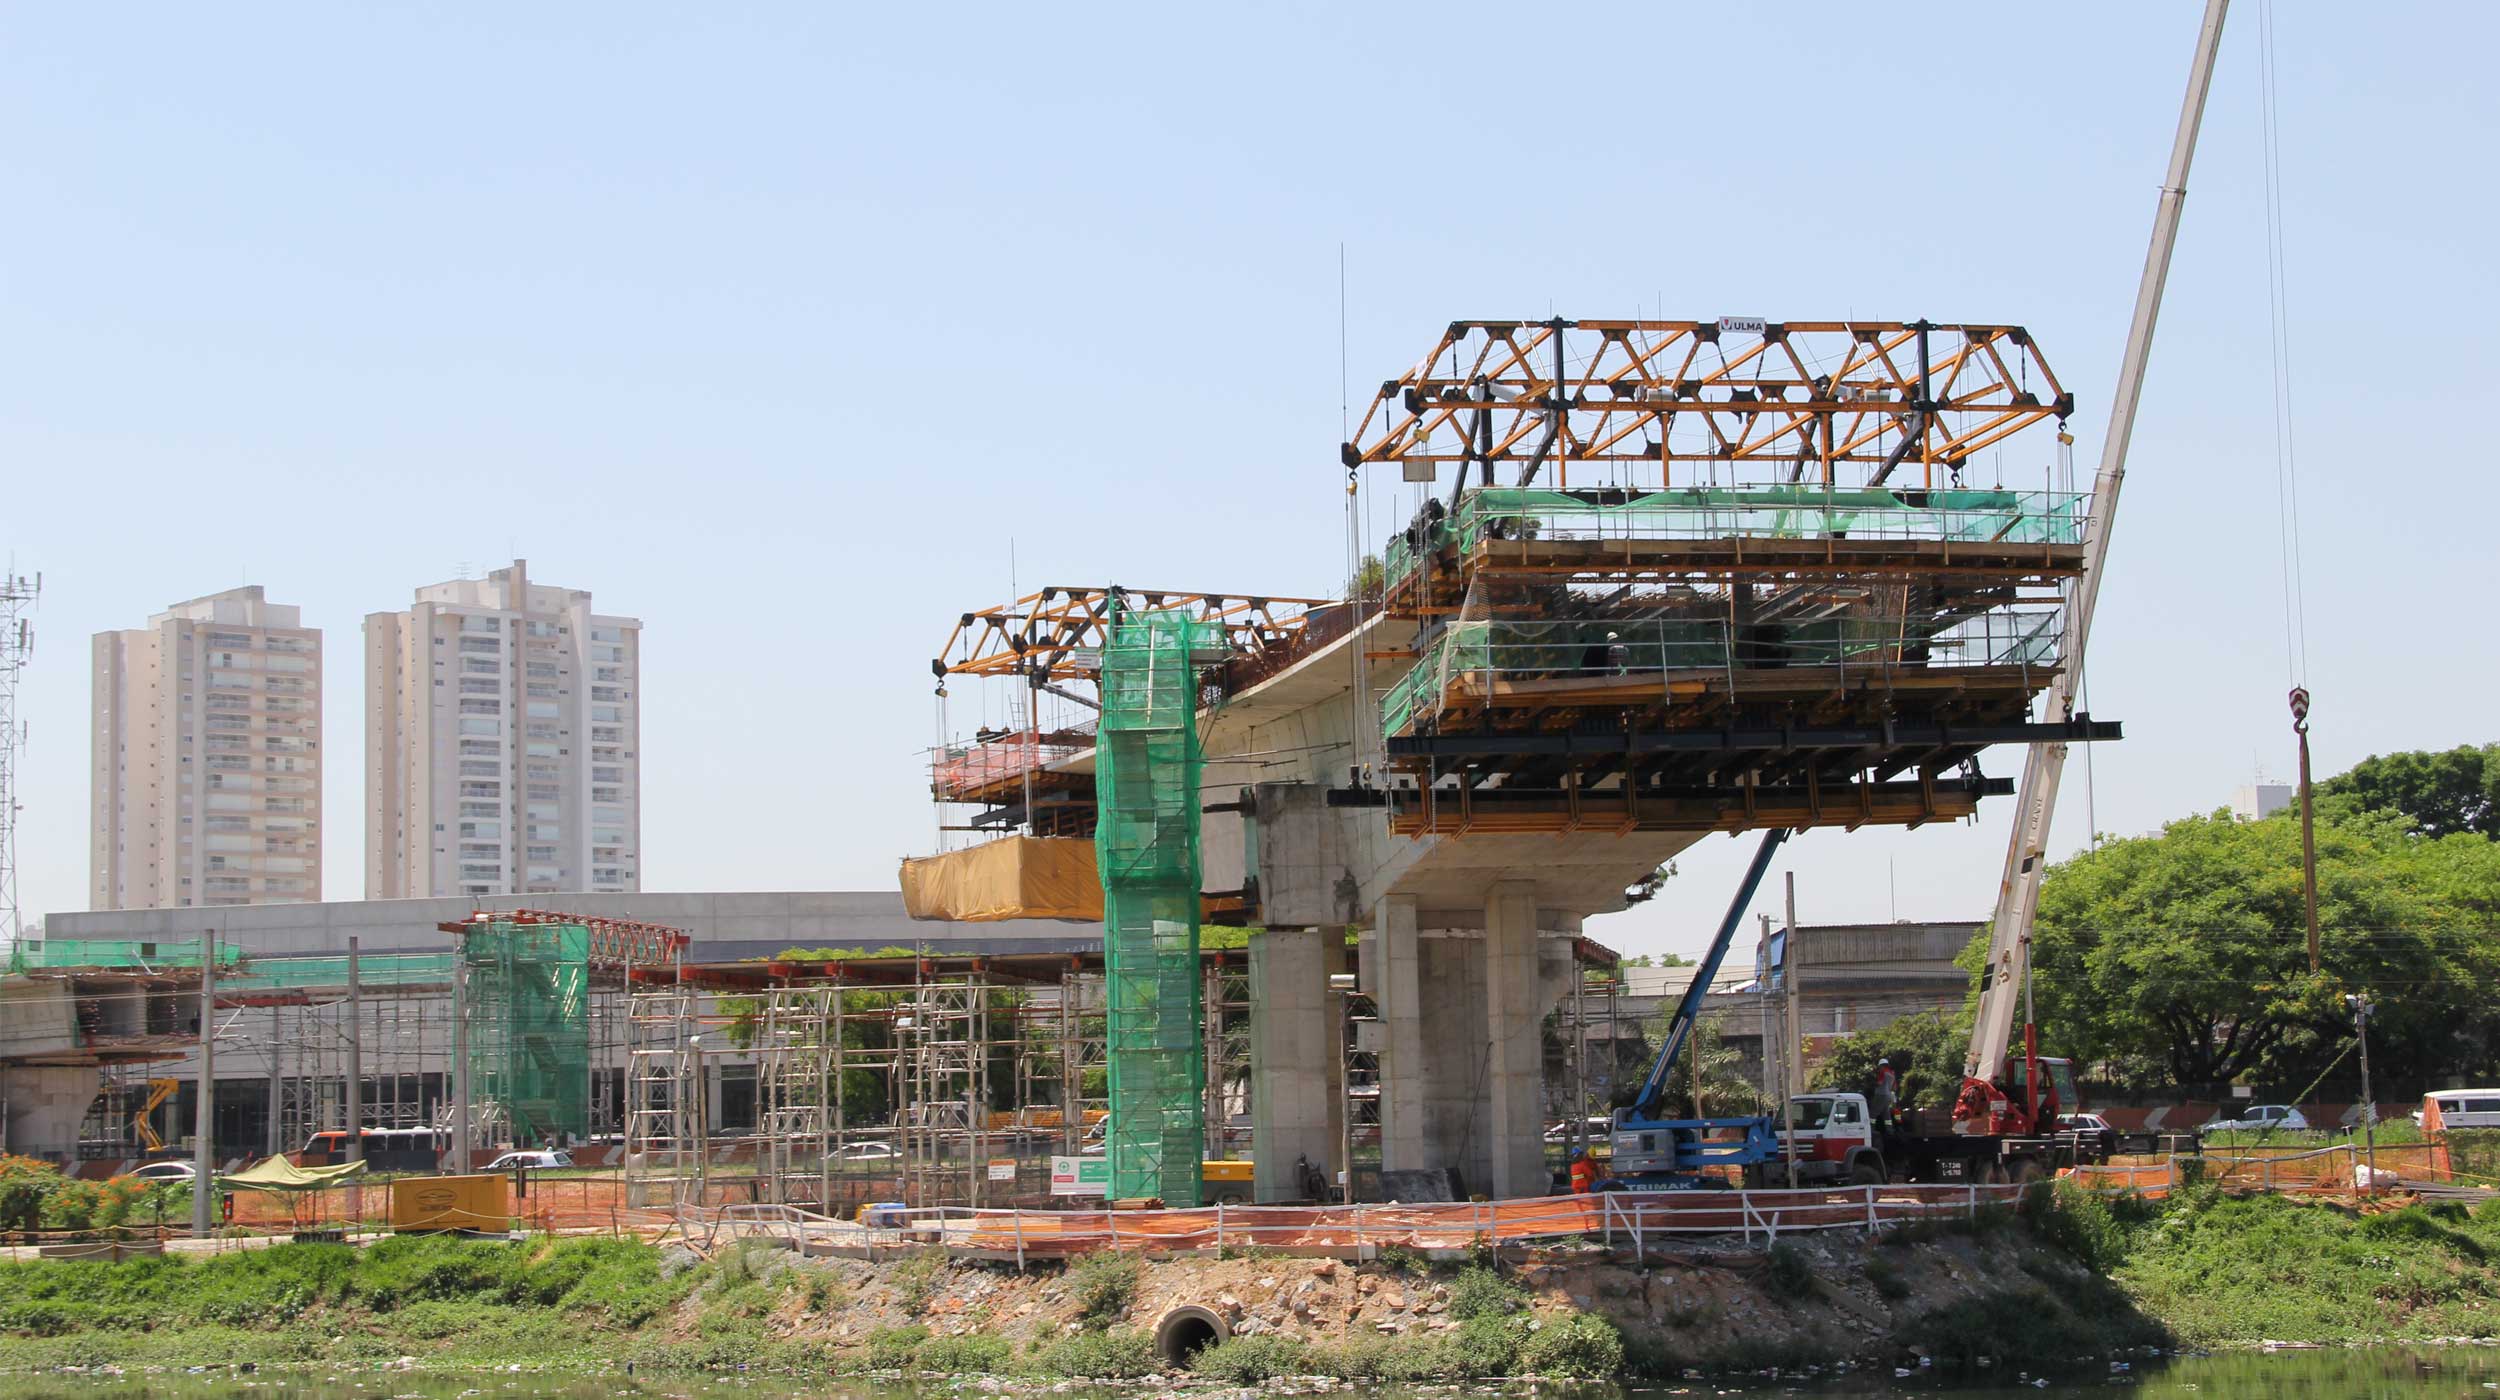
(501, 733)
(206, 777)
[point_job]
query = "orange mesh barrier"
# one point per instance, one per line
(1458, 1226)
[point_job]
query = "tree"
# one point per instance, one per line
(1724, 1088)
(2443, 793)
(1928, 1049)
(1369, 581)
(2189, 947)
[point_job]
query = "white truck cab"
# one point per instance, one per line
(1835, 1138)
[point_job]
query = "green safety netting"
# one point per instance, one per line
(529, 1027)
(1522, 648)
(1763, 512)
(1146, 770)
(40, 954)
(329, 972)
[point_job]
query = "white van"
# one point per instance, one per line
(2462, 1108)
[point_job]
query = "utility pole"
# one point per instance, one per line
(355, 1080)
(1792, 1044)
(460, 1056)
(275, 1136)
(1762, 1006)
(17, 648)
(204, 1094)
(2308, 823)
(2360, 1008)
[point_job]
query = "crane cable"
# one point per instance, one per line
(2278, 316)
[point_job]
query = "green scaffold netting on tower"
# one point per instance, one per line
(529, 1027)
(1146, 843)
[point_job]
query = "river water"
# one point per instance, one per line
(2358, 1374)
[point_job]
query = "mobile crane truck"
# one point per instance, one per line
(2005, 1120)
(1837, 1136)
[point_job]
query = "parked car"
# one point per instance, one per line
(530, 1161)
(2096, 1130)
(2255, 1118)
(2462, 1108)
(864, 1152)
(163, 1171)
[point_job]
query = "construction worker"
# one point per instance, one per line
(1887, 1083)
(1583, 1172)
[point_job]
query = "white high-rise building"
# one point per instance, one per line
(206, 757)
(502, 728)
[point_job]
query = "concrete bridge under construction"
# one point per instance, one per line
(1667, 578)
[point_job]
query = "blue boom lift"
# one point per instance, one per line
(1652, 1153)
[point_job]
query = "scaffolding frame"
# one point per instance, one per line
(666, 1103)
(918, 1082)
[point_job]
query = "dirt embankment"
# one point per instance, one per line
(1818, 1300)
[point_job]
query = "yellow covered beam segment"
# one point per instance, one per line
(1015, 877)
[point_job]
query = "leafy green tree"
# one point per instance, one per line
(2443, 793)
(2189, 948)
(1928, 1049)
(1369, 580)
(1724, 1088)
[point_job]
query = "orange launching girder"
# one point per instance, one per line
(1812, 395)
(1057, 634)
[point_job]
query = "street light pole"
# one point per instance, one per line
(2360, 1007)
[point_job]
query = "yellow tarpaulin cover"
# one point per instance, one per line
(1017, 877)
(279, 1174)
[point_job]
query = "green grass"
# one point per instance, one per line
(1104, 1281)
(1253, 1360)
(2225, 1270)
(1113, 1355)
(453, 1299)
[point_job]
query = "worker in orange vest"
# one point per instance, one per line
(1583, 1172)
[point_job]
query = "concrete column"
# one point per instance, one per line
(1514, 1068)
(1293, 1085)
(1398, 994)
(41, 1107)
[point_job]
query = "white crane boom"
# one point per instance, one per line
(2018, 894)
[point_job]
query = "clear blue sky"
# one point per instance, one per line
(775, 328)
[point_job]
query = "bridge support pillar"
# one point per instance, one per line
(1514, 1067)
(1294, 1096)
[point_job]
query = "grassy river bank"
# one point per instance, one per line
(2066, 1280)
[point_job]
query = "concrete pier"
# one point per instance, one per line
(1295, 1104)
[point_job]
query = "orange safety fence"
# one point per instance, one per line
(564, 1203)
(2339, 1167)
(1612, 1215)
